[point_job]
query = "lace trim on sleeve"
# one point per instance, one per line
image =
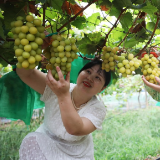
(154, 94)
(48, 93)
(96, 114)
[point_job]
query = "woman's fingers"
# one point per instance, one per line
(157, 79)
(68, 77)
(60, 75)
(153, 86)
(50, 78)
(145, 81)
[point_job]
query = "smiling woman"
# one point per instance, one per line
(72, 113)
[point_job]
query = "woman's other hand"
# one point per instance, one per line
(60, 87)
(151, 85)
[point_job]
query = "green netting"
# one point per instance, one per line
(17, 100)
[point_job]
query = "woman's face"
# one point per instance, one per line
(91, 80)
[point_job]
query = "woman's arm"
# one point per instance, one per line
(73, 123)
(156, 87)
(33, 78)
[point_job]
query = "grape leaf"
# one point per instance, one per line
(56, 4)
(114, 12)
(93, 19)
(122, 3)
(1, 30)
(126, 20)
(88, 48)
(84, 40)
(114, 77)
(71, 9)
(156, 3)
(40, 1)
(138, 71)
(49, 14)
(117, 34)
(150, 9)
(137, 1)
(79, 22)
(95, 36)
(130, 42)
(15, 11)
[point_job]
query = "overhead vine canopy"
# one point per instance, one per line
(132, 25)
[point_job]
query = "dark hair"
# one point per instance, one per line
(107, 75)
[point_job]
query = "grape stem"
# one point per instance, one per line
(80, 55)
(149, 41)
(7, 39)
(73, 18)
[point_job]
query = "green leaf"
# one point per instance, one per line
(40, 1)
(1, 30)
(114, 12)
(56, 4)
(11, 12)
(129, 43)
(150, 9)
(93, 19)
(84, 40)
(72, 1)
(156, 3)
(95, 36)
(122, 3)
(126, 20)
(50, 14)
(138, 71)
(88, 48)
(117, 34)
(114, 77)
(150, 26)
(79, 22)
(137, 1)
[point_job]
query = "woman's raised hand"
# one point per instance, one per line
(151, 85)
(60, 87)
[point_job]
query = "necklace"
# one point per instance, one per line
(75, 105)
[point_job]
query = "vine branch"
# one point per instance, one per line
(129, 30)
(73, 18)
(158, 18)
(123, 10)
(7, 60)
(44, 8)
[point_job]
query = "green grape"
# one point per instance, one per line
(25, 55)
(29, 18)
(18, 52)
(31, 59)
(27, 48)
(33, 30)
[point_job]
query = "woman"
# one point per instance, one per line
(72, 113)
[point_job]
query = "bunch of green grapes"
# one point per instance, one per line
(127, 64)
(109, 58)
(150, 68)
(28, 35)
(61, 53)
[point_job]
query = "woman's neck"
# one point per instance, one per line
(79, 98)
